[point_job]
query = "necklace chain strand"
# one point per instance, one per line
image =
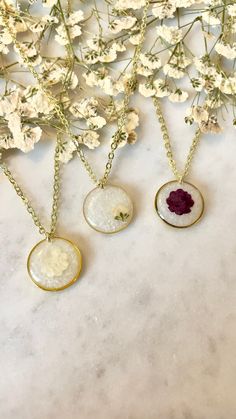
(56, 193)
(58, 109)
(167, 143)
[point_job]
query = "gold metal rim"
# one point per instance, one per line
(64, 286)
(111, 232)
(172, 225)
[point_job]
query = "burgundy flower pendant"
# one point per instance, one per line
(179, 204)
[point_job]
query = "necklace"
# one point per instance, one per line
(107, 208)
(178, 203)
(54, 263)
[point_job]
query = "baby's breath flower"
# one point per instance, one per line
(143, 71)
(30, 50)
(8, 5)
(228, 85)
(198, 114)
(231, 9)
(132, 120)
(38, 101)
(5, 40)
(62, 37)
(70, 26)
(211, 18)
(211, 126)
(96, 122)
(90, 139)
(75, 18)
(164, 10)
(178, 96)
(197, 83)
(131, 4)
(213, 101)
(23, 139)
(147, 89)
(41, 24)
(170, 34)
(162, 89)
(92, 72)
(172, 70)
(108, 55)
(49, 3)
(125, 22)
(135, 39)
(150, 61)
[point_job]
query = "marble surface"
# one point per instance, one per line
(148, 332)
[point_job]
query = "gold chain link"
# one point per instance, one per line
(58, 108)
(167, 143)
(65, 123)
(56, 193)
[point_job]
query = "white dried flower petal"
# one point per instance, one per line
(228, 86)
(62, 38)
(132, 121)
(49, 3)
(173, 71)
(90, 139)
(211, 126)
(96, 122)
(108, 55)
(164, 10)
(31, 137)
(150, 61)
(231, 9)
(147, 90)
(211, 18)
(135, 39)
(67, 150)
(75, 18)
(85, 108)
(198, 113)
(38, 100)
(161, 87)
(5, 39)
(30, 51)
(131, 4)
(227, 50)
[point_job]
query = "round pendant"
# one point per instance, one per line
(108, 210)
(179, 204)
(54, 265)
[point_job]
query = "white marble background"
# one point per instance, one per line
(148, 332)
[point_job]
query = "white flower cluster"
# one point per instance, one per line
(19, 111)
(84, 54)
(83, 78)
(170, 67)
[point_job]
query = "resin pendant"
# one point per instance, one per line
(108, 210)
(179, 204)
(54, 265)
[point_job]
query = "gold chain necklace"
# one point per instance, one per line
(54, 263)
(107, 208)
(178, 203)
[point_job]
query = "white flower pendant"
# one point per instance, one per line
(54, 265)
(108, 210)
(179, 204)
